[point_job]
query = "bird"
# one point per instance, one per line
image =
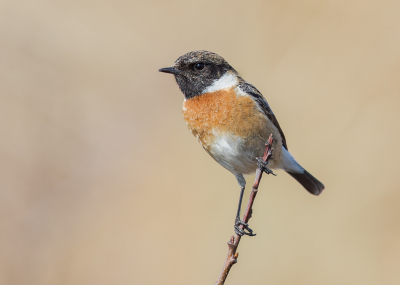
(232, 120)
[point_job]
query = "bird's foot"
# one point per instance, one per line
(263, 166)
(245, 231)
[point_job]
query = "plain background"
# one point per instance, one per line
(102, 183)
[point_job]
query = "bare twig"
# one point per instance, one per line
(233, 243)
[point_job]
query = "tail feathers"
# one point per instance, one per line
(312, 184)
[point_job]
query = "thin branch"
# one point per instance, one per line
(233, 243)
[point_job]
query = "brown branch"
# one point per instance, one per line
(233, 243)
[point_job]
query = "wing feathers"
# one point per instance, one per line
(260, 100)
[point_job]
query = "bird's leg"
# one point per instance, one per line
(262, 165)
(238, 222)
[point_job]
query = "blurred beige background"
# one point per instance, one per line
(101, 182)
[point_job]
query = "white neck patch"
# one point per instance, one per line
(228, 80)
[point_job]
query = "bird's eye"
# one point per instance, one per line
(199, 66)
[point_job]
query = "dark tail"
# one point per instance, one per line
(308, 181)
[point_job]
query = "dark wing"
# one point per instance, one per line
(260, 100)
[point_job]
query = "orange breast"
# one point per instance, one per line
(222, 112)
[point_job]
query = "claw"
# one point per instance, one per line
(245, 231)
(263, 166)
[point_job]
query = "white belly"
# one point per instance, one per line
(236, 154)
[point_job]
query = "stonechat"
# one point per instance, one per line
(232, 121)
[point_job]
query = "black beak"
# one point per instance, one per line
(171, 70)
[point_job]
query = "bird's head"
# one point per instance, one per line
(200, 72)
